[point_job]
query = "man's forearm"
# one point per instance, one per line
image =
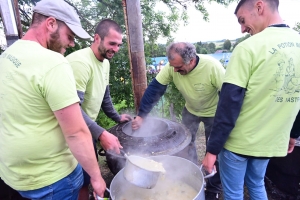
(78, 138)
(108, 107)
(94, 128)
(151, 96)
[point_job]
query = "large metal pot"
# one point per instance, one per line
(177, 170)
(157, 137)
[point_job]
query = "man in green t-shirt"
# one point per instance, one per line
(43, 134)
(259, 101)
(91, 70)
(199, 79)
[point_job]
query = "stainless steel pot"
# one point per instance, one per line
(177, 170)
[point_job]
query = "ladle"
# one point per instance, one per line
(138, 172)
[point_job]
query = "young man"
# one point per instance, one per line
(91, 71)
(199, 79)
(259, 101)
(41, 126)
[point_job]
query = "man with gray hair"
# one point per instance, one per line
(43, 134)
(199, 79)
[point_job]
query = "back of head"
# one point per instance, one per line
(61, 11)
(105, 25)
(186, 50)
(273, 4)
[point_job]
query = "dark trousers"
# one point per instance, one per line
(192, 122)
(7, 193)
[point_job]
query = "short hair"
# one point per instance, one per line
(272, 3)
(38, 18)
(186, 50)
(105, 25)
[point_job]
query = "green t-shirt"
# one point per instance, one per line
(268, 66)
(199, 87)
(34, 82)
(92, 78)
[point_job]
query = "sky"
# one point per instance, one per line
(223, 23)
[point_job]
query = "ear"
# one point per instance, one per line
(259, 5)
(97, 38)
(51, 24)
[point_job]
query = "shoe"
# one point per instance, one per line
(211, 195)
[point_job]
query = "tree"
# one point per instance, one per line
(240, 40)
(297, 27)
(211, 47)
(227, 45)
(203, 51)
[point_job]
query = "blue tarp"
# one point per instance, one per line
(218, 56)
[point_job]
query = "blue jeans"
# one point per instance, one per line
(66, 188)
(235, 170)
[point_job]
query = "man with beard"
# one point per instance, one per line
(43, 134)
(91, 71)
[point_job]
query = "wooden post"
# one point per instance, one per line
(133, 22)
(9, 14)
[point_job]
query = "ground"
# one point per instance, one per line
(272, 191)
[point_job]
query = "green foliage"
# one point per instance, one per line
(227, 45)
(240, 40)
(203, 51)
(297, 27)
(106, 122)
(211, 47)
(173, 96)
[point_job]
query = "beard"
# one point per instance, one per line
(104, 53)
(54, 44)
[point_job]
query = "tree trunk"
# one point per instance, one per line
(133, 22)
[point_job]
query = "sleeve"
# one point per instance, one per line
(94, 128)
(151, 96)
(165, 75)
(108, 107)
(295, 132)
(228, 110)
(58, 87)
(239, 67)
(82, 74)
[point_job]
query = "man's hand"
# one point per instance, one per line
(209, 161)
(110, 142)
(99, 186)
(125, 118)
(136, 123)
(291, 145)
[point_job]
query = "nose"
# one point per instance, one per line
(243, 29)
(72, 43)
(116, 49)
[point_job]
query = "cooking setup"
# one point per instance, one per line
(154, 163)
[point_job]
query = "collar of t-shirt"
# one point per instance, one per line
(197, 61)
(279, 25)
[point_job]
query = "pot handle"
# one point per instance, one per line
(100, 198)
(208, 175)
